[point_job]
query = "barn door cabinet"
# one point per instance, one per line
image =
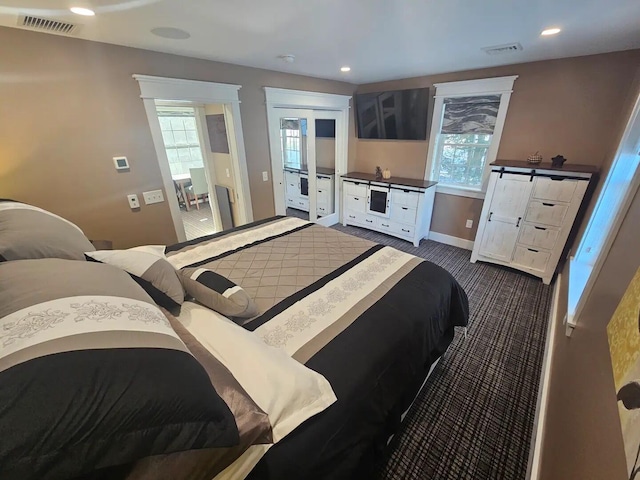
(528, 215)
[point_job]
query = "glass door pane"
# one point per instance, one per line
(298, 160)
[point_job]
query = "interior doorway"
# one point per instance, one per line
(197, 133)
(197, 147)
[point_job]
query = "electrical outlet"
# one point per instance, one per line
(133, 201)
(469, 223)
(154, 196)
(265, 176)
(228, 173)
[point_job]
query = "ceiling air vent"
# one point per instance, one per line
(47, 25)
(502, 49)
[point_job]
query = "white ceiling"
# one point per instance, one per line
(379, 39)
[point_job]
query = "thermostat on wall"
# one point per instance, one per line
(121, 163)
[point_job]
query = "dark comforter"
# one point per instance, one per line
(375, 353)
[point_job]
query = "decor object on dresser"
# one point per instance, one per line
(386, 174)
(535, 158)
(528, 214)
(400, 207)
(558, 161)
(378, 173)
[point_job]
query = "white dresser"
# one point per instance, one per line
(528, 213)
(401, 207)
(297, 195)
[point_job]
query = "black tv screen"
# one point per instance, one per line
(397, 114)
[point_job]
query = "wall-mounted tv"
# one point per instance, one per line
(397, 114)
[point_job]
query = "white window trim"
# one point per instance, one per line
(502, 86)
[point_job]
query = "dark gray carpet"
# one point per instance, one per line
(474, 417)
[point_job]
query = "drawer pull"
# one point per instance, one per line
(556, 178)
(368, 221)
(539, 228)
(385, 225)
(490, 213)
(352, 216)
(518, 224)
(356, 199)
(549, 204)
(405, 208)
(405, 230)
(532, 250)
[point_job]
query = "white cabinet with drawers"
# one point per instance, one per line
(527, 216)
(294, 192)
(399, 209)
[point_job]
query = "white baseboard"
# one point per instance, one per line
(451, 240)
(535, 455)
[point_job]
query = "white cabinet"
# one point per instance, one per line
(325, 196)
(527, 217)
(408, 215)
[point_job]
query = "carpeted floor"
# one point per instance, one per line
(474, 417)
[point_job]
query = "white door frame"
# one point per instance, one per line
(298, 99)
(175, 89)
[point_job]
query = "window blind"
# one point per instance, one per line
(464, 115)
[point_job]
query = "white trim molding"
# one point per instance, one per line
(284, 98)
(502, 86)
(451, 240)
(198, 92)
(535, 453)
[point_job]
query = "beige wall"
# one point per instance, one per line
(70, 105)
(569, 106)
(582, 438)
(326, 152)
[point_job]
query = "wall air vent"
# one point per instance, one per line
(48, 25)
(502, 49)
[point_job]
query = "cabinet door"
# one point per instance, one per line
(509, 200)
(499, 240)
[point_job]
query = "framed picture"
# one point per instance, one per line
(623, 332)
(217, 133)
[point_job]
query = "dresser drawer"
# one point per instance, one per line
(547, 213)
(301, 204)
(532, 258)
(292, 202)
(403, 214)
(323, 209)
(555, 190)
(535, 236)
(323, 183)
(405, 198)
(358, 190)
(357, 204)
(323, 195)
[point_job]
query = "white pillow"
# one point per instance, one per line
(285, 389)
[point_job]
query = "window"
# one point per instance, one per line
(181, 140)
(467, 124)
(291, 135)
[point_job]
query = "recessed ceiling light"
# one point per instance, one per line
(170, 32)
(550, 31)
(83, 11)
(345, 69)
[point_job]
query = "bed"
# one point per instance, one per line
(308, 343)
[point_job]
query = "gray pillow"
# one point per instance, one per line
(149, 268)
(28, 232)
(217, 292)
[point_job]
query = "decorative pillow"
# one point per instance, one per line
(93, 376)
(217, 292)
(31, 232)
(149, 268)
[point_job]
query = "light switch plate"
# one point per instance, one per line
(133, 201)
(265, 176)
(469, 224)
(154, 196)
(228, 173)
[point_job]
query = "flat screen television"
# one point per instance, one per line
(396, 114)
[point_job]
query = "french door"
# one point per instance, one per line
(305, 178)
